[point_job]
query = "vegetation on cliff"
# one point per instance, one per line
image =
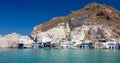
(92, 14)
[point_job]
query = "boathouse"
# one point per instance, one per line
(100, 44)
(55, 44)
(111, 45)
(25, 42)
(86, 44)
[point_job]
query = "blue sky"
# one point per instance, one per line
(21, 16)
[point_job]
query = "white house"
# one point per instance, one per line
(65, 44)
(111, 45)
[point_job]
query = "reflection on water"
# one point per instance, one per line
(58, 56)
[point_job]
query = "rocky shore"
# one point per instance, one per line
(13, 40)
(93, 22)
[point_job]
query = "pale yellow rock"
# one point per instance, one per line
(3, 42)
(56, 34)
(77, 35)
(10, 40)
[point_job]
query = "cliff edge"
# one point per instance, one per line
(94, 21)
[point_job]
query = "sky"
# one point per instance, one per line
(21, 16)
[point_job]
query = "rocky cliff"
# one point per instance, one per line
(94, 21)
(12, 40)
(9, 40)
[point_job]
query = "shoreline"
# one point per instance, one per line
(60, 48)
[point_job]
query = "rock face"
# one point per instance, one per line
(9, 40)
(3, 42)
(25, 42)
(94, 21)
(59, 33)
(12, 40)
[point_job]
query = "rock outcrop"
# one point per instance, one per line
(12, 40)
(94, 21)
(25, 42)
(9, 40)
(59, 33)
(3, 42)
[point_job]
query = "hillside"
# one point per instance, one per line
(93, 21)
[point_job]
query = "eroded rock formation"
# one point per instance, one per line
(94, 21)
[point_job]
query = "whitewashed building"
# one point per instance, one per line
(111, 45)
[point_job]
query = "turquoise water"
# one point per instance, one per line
(58, 56)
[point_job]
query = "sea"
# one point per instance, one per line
(43, 55)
